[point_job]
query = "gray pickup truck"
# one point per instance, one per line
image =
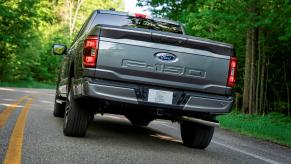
(144, 68)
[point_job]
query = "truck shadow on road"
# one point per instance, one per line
(119, 137)
(122, 132)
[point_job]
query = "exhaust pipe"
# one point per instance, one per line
(200, 121)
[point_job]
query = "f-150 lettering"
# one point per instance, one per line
(163, 68)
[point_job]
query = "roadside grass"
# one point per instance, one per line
(273, 127)
(27, 84)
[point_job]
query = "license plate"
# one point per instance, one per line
(159, 96)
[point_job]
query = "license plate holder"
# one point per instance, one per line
(160, 96)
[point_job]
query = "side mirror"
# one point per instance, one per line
(59, 49)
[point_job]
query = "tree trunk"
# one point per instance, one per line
(71, 7)
(250, 78)
(258, 80)
(73, 23)
(252, 82)
(246, 89)
(236, 101)
(266, 106)
(71, 14)
(262, 75)
(287, 88)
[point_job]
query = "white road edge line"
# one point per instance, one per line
(235, 149)
(6, 89)
(247, 153)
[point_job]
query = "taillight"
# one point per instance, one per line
(90, 51)
(143, 16)
(231, 81)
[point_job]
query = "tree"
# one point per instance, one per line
(75, 12)
(29, 28)
(261, 33)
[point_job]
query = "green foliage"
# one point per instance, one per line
(20, 38)
(274, 127)
(29, 28)
(228, 21)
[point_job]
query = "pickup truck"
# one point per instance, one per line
(144, 68)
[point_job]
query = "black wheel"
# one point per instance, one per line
(59, 109)
(196, 135)
(76, 118)
(137, 120)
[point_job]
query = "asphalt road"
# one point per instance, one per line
(30, 134)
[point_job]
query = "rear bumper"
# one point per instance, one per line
(137, 94)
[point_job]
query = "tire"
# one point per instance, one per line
(59, 109)
(76, 119)
(196, 135)
(138, 120)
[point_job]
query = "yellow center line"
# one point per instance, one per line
(5, 114)
(14, 151)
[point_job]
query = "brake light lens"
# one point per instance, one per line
(231, 81)
(143, 16)
(138, 15)
(90, 51)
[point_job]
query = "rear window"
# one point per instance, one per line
(127, 21)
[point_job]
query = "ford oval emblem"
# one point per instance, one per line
(166, 57)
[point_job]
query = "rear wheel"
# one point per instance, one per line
(59, 109)
(76, 118)
(196, 135)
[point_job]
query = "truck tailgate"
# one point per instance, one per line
(152, 58)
